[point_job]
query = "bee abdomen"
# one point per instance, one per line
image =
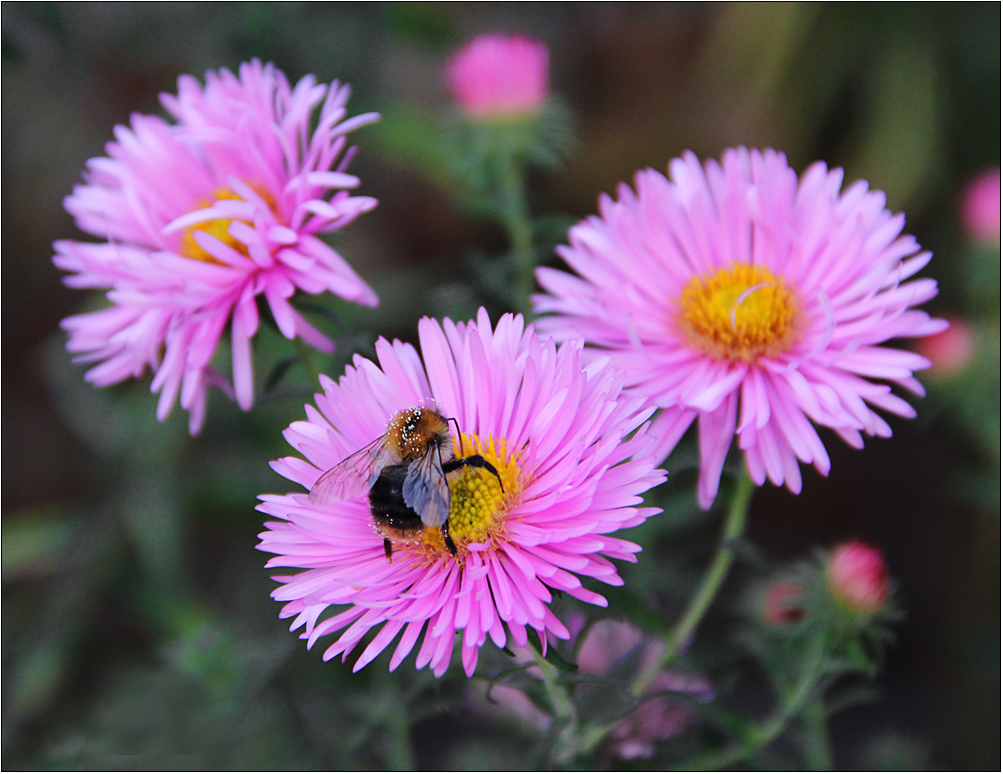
(386, 501)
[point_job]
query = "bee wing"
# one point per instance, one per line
(353, 476)
(426, 491)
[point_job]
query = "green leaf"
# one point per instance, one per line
(411, 137)
(33, 542)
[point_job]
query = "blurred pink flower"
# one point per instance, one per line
(980, 206)
(950, 350)
(202, 216)
(781, 603)
(607, 642)
(563, 440)
(738, 296)
(499, 76)
(858, 577)
(661, 717)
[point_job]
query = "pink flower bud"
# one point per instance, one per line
(950, 350)
(858, 577)
(497, 76)
(980, 206)
(781, 604)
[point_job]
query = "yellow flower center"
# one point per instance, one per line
(478, 503)
(739, 314)
(219, 227)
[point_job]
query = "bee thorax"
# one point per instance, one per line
(412, 431)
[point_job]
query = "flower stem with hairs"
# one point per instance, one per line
(515, 216)
(792, 703)
(680, 634)
(566, 744)
(818, 752)
(306, 358)
(400, 756)
(677, 637)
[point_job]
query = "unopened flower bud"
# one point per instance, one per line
(499, 76)
(782, 603)
(858, 577)
(980, 206)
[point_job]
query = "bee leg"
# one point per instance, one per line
(388, 549)
(473, 461)
(447, 539)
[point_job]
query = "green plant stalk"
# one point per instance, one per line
(681, 633)
(515, 217)
(818, 751)
(306, 358)
(567, 744)
(760, 736)
(398, 741)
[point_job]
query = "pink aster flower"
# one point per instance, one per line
(980, 206)
(858, 577)
(202, 216)
(568, 448)
(739, 296)
(499, 76)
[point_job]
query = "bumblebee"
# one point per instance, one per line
(405, 472)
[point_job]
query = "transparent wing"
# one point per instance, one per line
(426, 491)
(353, 476)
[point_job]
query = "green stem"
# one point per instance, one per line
(680, 635)
(398, 748)
(762, 735)
(306, 358)
(567, 744)
(818, 751)
(515, 215)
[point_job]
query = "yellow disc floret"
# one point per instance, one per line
(478, 501)
(739, 314)
(219, 227)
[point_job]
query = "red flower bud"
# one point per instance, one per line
(858, 577)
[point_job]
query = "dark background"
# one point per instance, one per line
(96, 495)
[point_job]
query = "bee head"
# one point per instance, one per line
(412, 431)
